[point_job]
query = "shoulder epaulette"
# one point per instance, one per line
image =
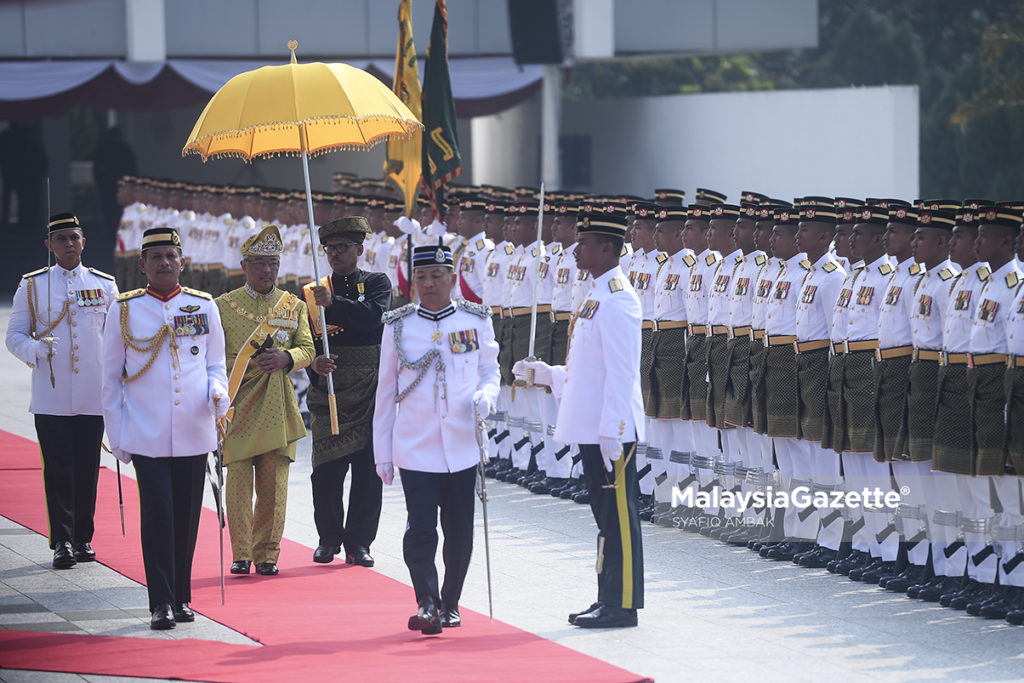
(689, 260)
(389, 239)
(533, 252)
(829, 267)
(472, 307)
(480, 244)
(760, 259)
(36, 272)
(805, 264)
(885, 269)
(400, 312)
(661, 257)
(101, 274)
(945, 274)
(983, 273)
(131, 294)
(711, 258)
(859, 266)
(624, 251)
(197, 292)
(555, 249)
(915, 268)
(509, 249)
(615, 285)
(1012, 279)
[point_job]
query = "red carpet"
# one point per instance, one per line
(327, 620)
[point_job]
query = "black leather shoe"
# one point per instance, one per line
(856, 560)
(241, 566)
(360, 556)
(857, 572)
(325, 553)
(933, 592)
(583, 498)
(84, 552)
(450, 617)
(426, 620)
(574, 615)
(911, 576)
(63, 556)
(606, 616)
(266, 569)
(162, 618)
(819, 559)
(182, 614)
(886, 570)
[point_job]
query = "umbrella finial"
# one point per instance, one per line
(293, 45)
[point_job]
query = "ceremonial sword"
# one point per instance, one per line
(48, 339)
(481, 441)
(218, 488)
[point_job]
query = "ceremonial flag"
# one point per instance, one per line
(441, 158)
(403, 165)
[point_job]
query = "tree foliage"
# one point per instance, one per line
(966, 57)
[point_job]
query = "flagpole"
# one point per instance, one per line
(315, 242)
(536, 274)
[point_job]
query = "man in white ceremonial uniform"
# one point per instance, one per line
(438, 376)
(164, 385)
(56, 328)
(599, 389)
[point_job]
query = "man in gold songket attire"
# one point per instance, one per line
(267, 336)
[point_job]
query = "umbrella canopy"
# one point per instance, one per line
(266, 112)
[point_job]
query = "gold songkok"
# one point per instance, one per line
(266, 243)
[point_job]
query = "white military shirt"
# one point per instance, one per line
(818, 293)
(861, 295)
(1015, 324)
(896, 307)
(765, 285)
(699, 286)
(931, 299)
(165, 411)
(599, 386)
(472, 267)
(432, 428)
(563, 279)
(86, 293)
(988, 331)
(496, 273)
(721, 286)
(780, 310)
(670, 288)
(743, 287)
(963, 302)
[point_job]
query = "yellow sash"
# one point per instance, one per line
(314, 310)
(247, 351)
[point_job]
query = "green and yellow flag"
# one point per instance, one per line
(441, 158)
(403, 165)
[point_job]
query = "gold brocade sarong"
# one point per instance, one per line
(355, 389)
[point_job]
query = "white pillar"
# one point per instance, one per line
(145, 30)
(550, 127)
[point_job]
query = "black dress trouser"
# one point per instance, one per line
(170, 502)
(454, 493)
(620, 576)
(70, 446)
(365, 495)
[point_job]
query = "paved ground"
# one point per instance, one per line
(713, 611)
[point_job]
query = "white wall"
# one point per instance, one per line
(855, 142)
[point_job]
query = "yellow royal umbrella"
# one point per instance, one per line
(300, 110)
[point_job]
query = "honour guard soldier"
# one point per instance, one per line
(1013, 561)
(266, 333)
(930, 299)
(472, 261)
(859, 300)
(56, 328)
(599, 389)
(814, 311)
(737, 388)
(663, 361)
(892, 370)
(986, 369)
(782, 395)
(354, 301)
(705, 439)
(439, 363)
(164, 385)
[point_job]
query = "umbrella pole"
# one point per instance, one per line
(331, 401)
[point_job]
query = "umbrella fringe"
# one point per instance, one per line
(271, 154)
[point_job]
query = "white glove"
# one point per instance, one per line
(407, 225)
(611, 450)
(541, 371)
(42, 348)
(218, 403)
(484, 404)
(435, 229)
(386, 472)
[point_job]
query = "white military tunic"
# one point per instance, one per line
(87, 293)
(165, 412)
(432, 429)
